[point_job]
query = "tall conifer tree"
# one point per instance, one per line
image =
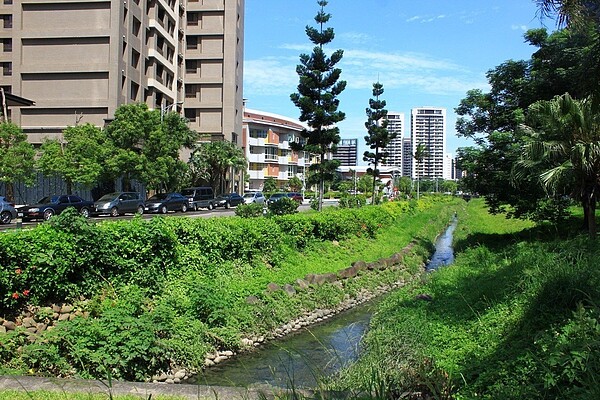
(378, 137)
(317, 100)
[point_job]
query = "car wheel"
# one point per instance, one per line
(114, 212)
(48, 214)
(163, 209)
(85, 212)
(195, 207)
(5, 217)
(210, 206)
(227, 205)
(140, 210)
(184, 208)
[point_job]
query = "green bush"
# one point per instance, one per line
(352, 201)
(251, 210)
(283, 206)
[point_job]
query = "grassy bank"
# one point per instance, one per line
(517, 316)
(162, 294)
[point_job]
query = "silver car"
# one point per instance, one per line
(7, 211)
(254, 197)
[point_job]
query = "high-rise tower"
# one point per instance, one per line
(394, 149)
(428, 127)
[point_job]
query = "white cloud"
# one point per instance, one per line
(360, 68)
(519, 27)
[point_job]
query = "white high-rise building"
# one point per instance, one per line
(428, 127)
(394, 149)
(407, 157)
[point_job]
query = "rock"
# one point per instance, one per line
(56, 308)
(28, 322)
(423, 296)
(9, 325)
(169, 380)
(248, 342)
(220, 359)
(335, 243)
(360, 265)
(302, 284)
(252, 300)
(64, 317)
(349, 272)
(2, 329)
(310, 278)
(289, 289)
(176, 380)
(66, 309)
(180, 374)
(227, 353)
(273, 287)
(208, 363)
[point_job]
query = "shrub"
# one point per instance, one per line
(352, 201)
(284, 206)
(249, 210)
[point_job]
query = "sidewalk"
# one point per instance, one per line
(142, 389)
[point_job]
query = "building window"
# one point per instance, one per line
(7, 68)
(192, 42)
(135, 27)
(135, 88)
(7, 44)
(135, 58)
(258, 133)
(7, 21)
(271, 153)
(192, 18)
(190, 114)
(191, 66)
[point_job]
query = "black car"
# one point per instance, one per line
(165, 202)
(54, 205)
(229, 200)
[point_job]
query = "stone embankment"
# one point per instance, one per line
(36, 320)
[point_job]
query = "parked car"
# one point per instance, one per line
(276, 197)
(254, 197)
(165, 202)
(119, 203)
(200, 197)
(229, 200)
(54, 205)
(296, 196)
(7, 211)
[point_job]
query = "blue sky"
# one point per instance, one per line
(424, 52)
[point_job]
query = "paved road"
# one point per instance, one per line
(217, 212)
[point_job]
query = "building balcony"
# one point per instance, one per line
(256, 174)
(259, 142)
(256, 158)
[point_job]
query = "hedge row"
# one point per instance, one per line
(69, 257)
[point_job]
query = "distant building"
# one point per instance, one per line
(407, 157)
(266, 142)
(80, 60)
(394, 149)
(347, 153)
(428, 127)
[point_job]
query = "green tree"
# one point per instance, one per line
(212, 161)
(420, 154)
(16, 157)
(565, 151)
(404, 184)
(378, 137)
(146, 147)
(295, 184)
(270, 185)
(317, 100)
(449, 186)
(78, 157)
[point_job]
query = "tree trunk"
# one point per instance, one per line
(591, 214)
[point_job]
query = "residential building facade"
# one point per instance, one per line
(407, 157)
(80, 60)
(394, 149)
(266, 142)
(347, 153)
(428, 128)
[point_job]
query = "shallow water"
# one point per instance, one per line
(300, 359)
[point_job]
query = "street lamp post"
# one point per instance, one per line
(164, 109)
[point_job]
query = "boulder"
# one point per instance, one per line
(360, 265)
(289, 289)
(252, 300)
(302, 284)
(273, 287)
(349, 272)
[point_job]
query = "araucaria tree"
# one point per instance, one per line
(378, 137)
(317, 100)
(16, 157)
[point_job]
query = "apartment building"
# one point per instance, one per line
(266, 142)
(407, 157)
(394, 149)
(428, 128)
(80, 60)
(347, 153)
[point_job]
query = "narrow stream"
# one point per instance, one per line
(299, 360)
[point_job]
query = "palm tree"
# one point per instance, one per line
(420, 154)
(565, 144)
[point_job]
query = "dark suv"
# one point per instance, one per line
(119, 203)
(200, 197)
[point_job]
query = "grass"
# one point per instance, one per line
(515, 317)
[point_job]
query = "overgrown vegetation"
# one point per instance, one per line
(515, 317)
(162, 293)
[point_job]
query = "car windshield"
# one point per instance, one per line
(108, 197)
(158, 196)
(49, 200)
(277, 195)
(187, 192)
(249, 195)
